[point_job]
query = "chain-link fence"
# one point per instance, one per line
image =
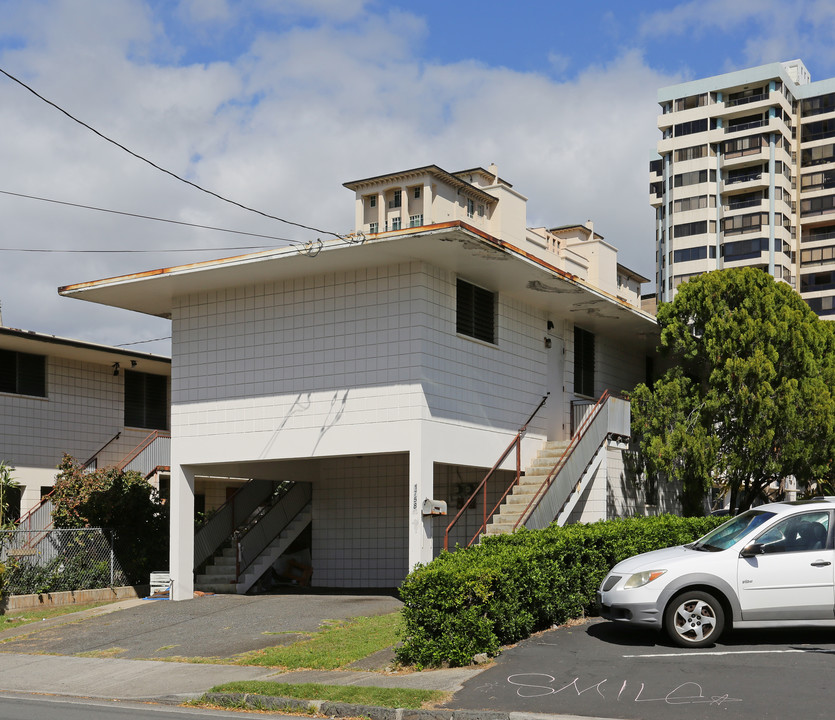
(39, 561)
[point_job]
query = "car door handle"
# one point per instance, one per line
(821, 563)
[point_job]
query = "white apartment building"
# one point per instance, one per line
(383, 374)
(103, 405)
(745, 175)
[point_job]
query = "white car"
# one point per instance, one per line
(772, 565)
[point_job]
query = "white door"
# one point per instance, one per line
(794, 578)
(553, 410)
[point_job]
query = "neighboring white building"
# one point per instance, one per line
(746, 176)
(394, 367)
(94, 402)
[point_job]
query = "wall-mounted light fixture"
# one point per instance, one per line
(115, 368)
(550, 325)
(133, 363)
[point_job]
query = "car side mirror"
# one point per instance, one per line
(752, 550)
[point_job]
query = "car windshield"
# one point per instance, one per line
(727, 534)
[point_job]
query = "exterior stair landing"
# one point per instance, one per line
(518, 500)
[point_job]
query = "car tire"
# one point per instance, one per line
(694, 619)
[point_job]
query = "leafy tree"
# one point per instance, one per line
(8, 485)
(748, 398)
(124, 502)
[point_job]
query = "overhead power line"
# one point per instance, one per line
(169, 172)
(159, 219)
(142, 342)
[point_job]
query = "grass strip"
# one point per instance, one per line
(332, 648)
(19, 618)
(353, 694)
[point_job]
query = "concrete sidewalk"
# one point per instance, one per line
(116, 679)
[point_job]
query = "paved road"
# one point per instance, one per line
(29, 708)
(607, 670)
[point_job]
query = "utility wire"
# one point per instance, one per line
(158, 219)
(168, 172)
(142, 342)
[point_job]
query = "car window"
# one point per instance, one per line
(728, 533)
(799, 533)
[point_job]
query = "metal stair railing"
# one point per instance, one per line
(609, 416)
(92, 461)
(229, 517)
(153, 452)
(292, 498)
(39, 517)
(516, 444)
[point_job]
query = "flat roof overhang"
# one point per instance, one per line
(455, 246)
(28, 341)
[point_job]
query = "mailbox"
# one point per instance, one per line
(434, 507)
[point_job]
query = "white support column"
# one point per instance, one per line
(404, 207)
(382, 212)
(181, 557)
(428, 218)
(359, 213)
(421, 487)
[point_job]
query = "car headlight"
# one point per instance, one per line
(642, 578)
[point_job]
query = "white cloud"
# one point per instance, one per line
(280, 128)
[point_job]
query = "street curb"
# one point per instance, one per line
(346, 710)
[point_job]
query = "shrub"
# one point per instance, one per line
(476, 599)
(122, 501)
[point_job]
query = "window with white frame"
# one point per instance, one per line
(373, 227)
(397, 200)
(415, 220)
(372, 201)
(395, 223)
(480, 210)
(475, 311)
(417, 193)
(470, 208)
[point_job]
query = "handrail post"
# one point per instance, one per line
(484, 508)
(518, 460)
(517, 441)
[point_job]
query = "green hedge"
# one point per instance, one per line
(477, 599)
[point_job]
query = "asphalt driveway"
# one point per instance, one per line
(214, 626)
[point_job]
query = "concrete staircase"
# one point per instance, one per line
(275, 550)
(520, 497)
(219, 574)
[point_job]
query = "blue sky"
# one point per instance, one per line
(276, 103)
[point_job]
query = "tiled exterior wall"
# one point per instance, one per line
(355, 348)
(82, 411)
(360, 509)
(455, 484)
(360, 515)
(474, 382)
(614, 369)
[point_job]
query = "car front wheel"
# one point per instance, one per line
(694, 619)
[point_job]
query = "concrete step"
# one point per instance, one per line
(499, 529)
(220, 588)
(206, 579)
(520, 498)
